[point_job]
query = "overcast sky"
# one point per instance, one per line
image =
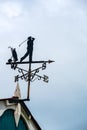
(60, 29)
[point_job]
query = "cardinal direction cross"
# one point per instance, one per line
(24, 74)
(30, 75)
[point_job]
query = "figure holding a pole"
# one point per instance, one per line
(29, 49)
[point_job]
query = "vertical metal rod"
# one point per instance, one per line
(29, 76)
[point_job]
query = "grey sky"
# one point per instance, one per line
(59, 27)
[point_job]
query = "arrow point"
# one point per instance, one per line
(50, 61)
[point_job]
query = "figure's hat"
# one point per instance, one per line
(29, 38)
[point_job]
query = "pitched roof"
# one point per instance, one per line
(23, 105)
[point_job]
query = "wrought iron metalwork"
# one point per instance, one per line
(33, 73)
(28, 75)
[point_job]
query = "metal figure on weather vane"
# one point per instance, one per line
(29, 49)
(27, 75)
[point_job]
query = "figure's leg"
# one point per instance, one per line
(30, 56)
(26, 54)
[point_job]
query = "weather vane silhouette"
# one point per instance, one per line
(27, 75)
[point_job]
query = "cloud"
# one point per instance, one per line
(11, 9)
(63, 7)
(54, 6)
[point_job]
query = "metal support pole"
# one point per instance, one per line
(29, 76)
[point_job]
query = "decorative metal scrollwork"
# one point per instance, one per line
(33, 74)
(16, 78)
(44, 66)
(45, 79)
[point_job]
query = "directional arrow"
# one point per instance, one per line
(27, 62)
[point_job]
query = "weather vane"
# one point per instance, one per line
(27, 75)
